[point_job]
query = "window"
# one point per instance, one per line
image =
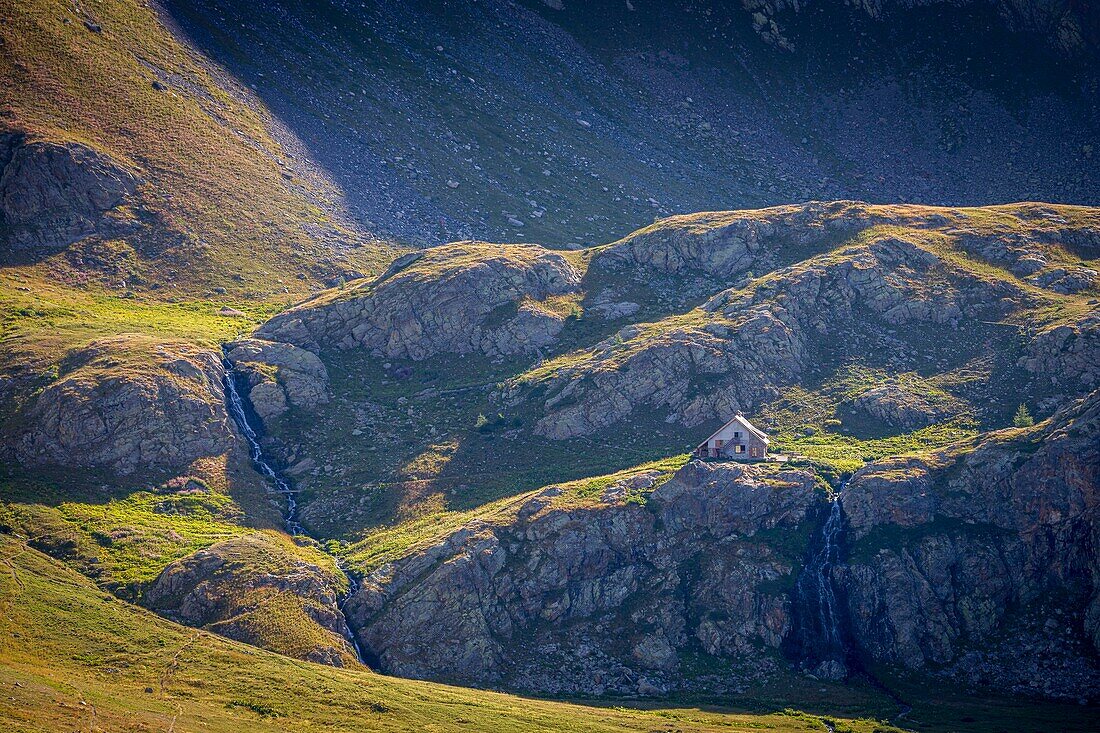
(737, 435)
(739, 449)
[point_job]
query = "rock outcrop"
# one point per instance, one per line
(949, 563)
(279, 376)
(736, 350)
(905, 406)
(1068, 354)
(52, 194)
(460, 299)
(262, 590)
(725, 244)
(126, 404)
(959, 557)
(603, 598)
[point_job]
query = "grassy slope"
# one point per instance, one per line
(75, 658)
(204, 146)
(242, 217)
(72, 657)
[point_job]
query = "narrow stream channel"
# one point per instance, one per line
(237, 411)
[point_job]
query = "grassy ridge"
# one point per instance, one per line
(378, 470)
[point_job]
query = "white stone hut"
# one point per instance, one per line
(737, 440)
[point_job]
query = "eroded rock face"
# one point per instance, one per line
(459, 299)
(256, 589)
(126, 404)
(598, 599)
(959, 558)
(279, 376)
(52, 194)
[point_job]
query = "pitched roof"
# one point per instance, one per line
(743, 421)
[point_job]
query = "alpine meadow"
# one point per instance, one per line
(661, 366)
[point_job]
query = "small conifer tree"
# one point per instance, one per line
(1023, 418)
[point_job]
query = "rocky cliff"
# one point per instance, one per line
(602, 598)
(980, 561)
(947, 564)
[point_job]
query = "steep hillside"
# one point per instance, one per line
(853, 331)
(132, 162)
(570, 123)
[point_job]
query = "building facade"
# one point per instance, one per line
(737, 440)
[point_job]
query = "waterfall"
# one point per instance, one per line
(256, 452)
(822, 580)
(237, 411)
(818, 633)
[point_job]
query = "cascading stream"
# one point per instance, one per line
(823, 583)
(237, 411)
(819, 635)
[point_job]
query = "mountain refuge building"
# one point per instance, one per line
(737, 440)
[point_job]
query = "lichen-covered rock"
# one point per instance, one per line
(905, 406)
(128, 403)
(261, 590)
(724, 244)
(1066, 280)
(1067, 355)
(279, 376)
(597, 599)
(460, 299)
(52, 194)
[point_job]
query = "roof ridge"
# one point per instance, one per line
(739, 417)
